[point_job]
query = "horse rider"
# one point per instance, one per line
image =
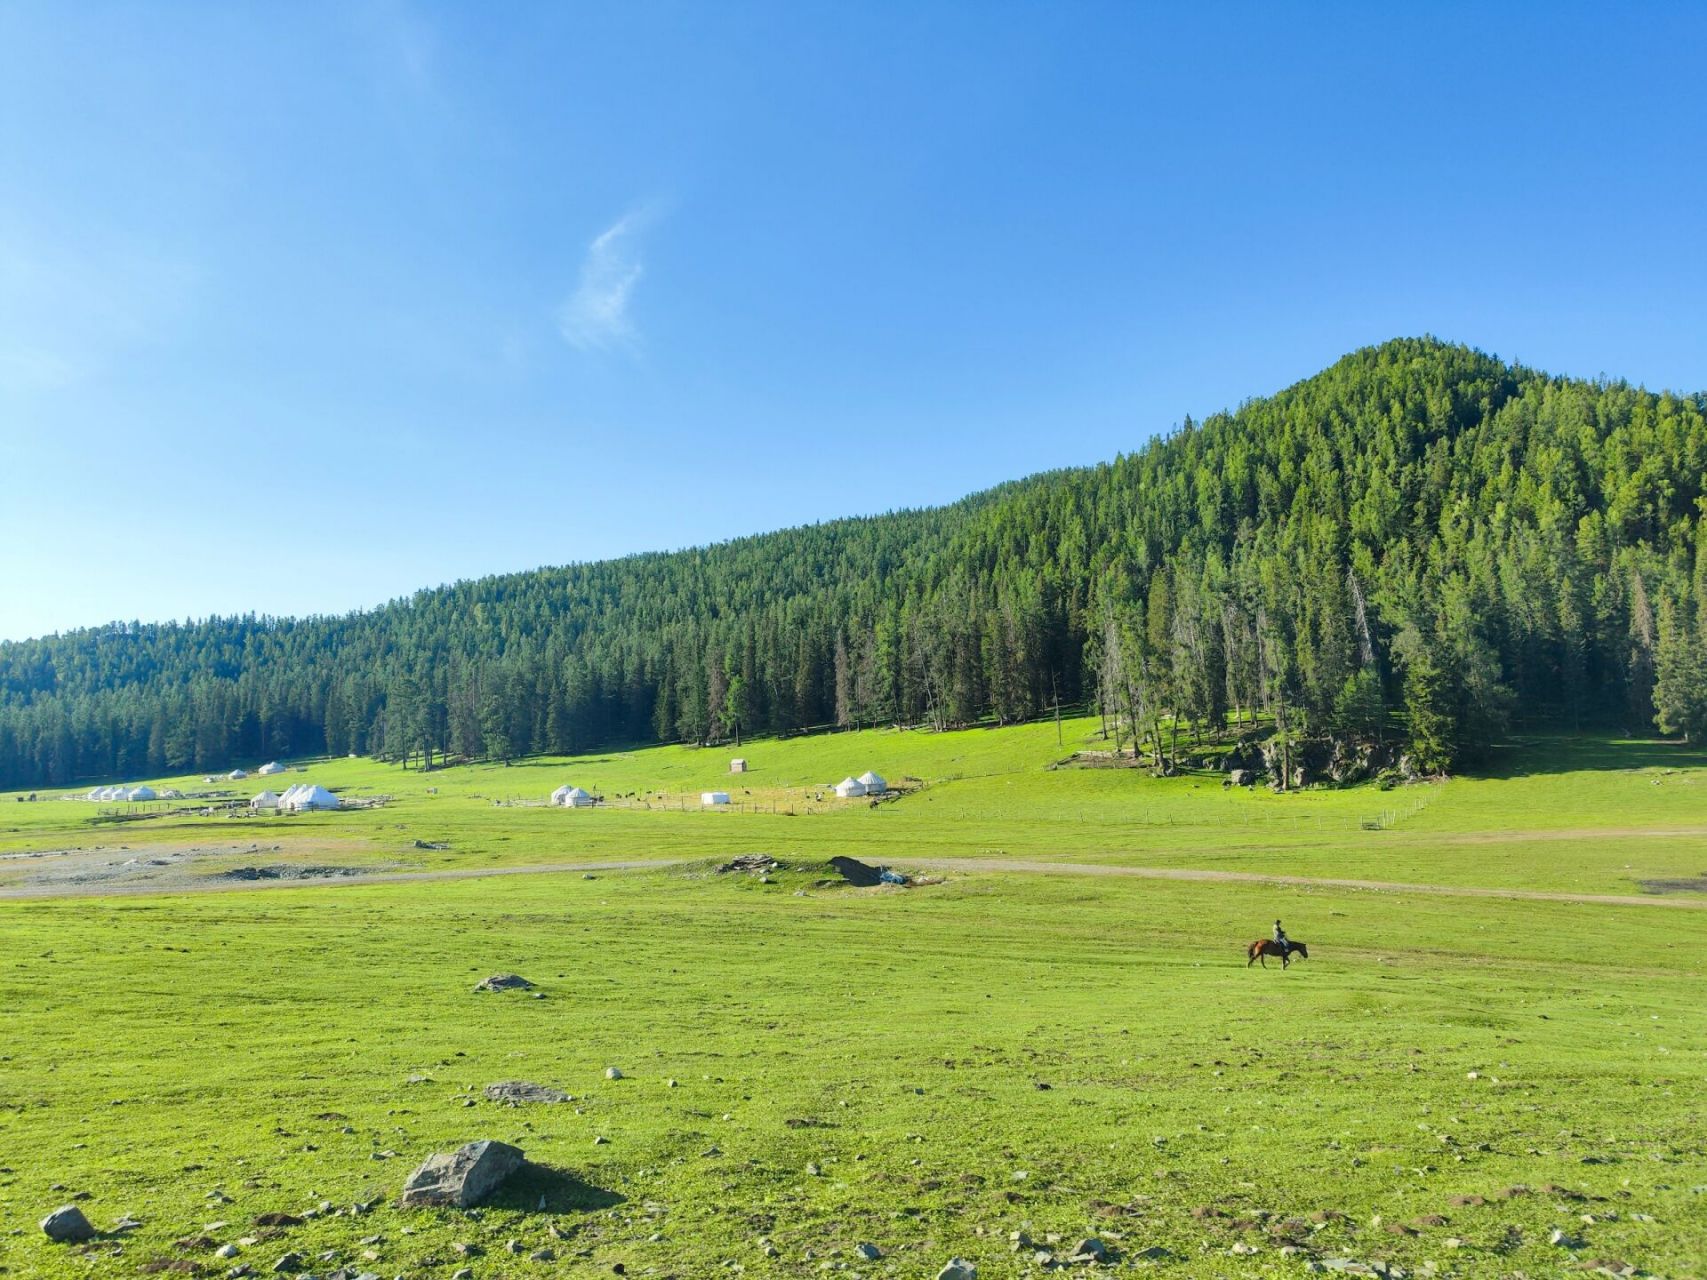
(1281, 940)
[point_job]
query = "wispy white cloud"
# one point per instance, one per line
(70, 306)
(596, 315)
(406, 43)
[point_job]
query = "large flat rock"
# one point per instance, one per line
(462, 1178)
(524, 1091)
(504, 982)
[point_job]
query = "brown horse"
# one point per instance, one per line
(1262, 948)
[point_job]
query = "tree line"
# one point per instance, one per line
(1420, 544)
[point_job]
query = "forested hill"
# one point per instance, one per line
(1419, 541)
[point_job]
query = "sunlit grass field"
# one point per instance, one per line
(925, 1070)
(1574, 815)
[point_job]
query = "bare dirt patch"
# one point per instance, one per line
(1685, 884)
(292, 871)
(171, 867)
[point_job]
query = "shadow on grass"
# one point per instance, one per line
(558, 1190)
(1535, 754)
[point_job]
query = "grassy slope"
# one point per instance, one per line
(158, 1048)
(1575, 815)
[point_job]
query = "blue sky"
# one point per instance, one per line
(303, 306)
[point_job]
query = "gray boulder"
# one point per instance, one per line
(524, 1091)
(958, 1269)
(68, 1226)
(1091, 1250)
(462, 1178)
(1241, 777)
(504, 982)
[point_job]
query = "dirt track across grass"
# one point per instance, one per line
(222, 883)
(1314, 882)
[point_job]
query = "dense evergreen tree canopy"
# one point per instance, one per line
(1419, 540)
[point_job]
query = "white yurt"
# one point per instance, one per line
(305, 796)
(94, 794)
(271, 767)
(237, 775)
(873, 783)
(848, 788)
(714, 797)
(266, 800)
(114, 793)
(571, 797)
(141, 793)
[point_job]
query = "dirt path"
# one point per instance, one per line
(1311, 882)
(224, 884)
(211, 883)
(1575, 833)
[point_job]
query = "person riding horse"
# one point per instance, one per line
(1281, 940)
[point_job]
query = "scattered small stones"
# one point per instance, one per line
(504, 982)
(957, 1269)
(868, 1251)
(750, 863)
(289, 1262)
(67, 1225)
(613, 1073)
(1090, 1249)
(812, 1169)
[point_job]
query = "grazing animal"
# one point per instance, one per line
(1263, 948)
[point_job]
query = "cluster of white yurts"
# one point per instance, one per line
(867, 784)
(105, 794)
(303, 797)
(571, 797)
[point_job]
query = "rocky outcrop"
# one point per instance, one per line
(462, 1178)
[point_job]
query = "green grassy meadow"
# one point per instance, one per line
(927, 1070)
